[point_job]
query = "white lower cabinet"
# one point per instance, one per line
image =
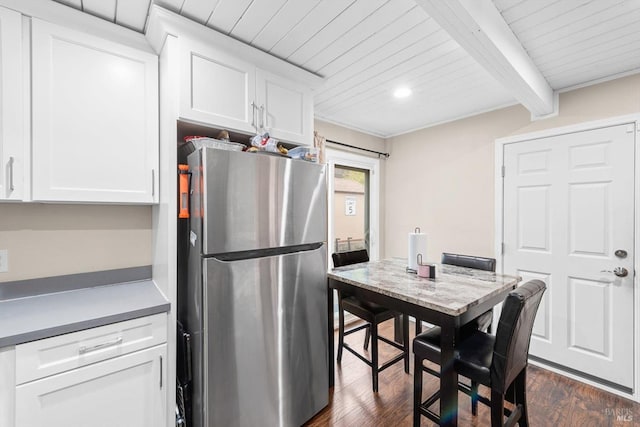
(111, 375)
(124, 391)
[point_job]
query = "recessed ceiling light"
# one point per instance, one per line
(402, 92)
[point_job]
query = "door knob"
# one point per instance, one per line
(618, 271)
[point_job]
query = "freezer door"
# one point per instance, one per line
(256, 201)
(266, 361)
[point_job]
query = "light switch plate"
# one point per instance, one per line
(4, 260)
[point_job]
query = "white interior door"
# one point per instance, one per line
(568, 212)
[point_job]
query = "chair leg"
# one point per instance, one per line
(417, 390)
(497, 409)
(340, 332)
(405, 341)
(418, 326)
(367, 336)
(474, 398)
(521, 397)
(374, 355)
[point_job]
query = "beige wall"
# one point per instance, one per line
(49, 240)
(441, 179)
(363, 140)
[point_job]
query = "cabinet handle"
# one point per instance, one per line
(153, 183)
(263, 117)
(160, 371)
(253, 115)
(11, 187)
(83, 349)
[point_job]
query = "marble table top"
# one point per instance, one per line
(453, 291)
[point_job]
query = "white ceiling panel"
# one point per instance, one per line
(389, 11)
(425, 52)
(392, 37)
(573, 42)
(310, 25)
(513, 10)
(256, 18)
(410, 43)
(105, 9)
(283, 22)
(76, 4)
(172, 5)
(133, 14)
(198, 10)
(334, 30)
(227, 13)
(365, 49)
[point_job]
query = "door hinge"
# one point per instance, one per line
(503, 170)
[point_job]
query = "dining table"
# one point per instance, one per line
(455, 296)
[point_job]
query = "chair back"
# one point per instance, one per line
(479, 263)
(513, 336)
(351, 257)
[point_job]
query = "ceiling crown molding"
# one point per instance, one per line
(479, 28)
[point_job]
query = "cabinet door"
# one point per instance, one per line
(129, 390)
(11, 113)
(95, 118)
(285, 108)
(216, 88)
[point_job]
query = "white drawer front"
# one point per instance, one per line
(123, 391)
(38, 359)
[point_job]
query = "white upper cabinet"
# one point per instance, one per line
(224, 91)
(12, 157)
(94, 118)
(217, 88)
(285, 108)
(225, 83)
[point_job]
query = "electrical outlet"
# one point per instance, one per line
(4, 260)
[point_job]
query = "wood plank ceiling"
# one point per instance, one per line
(365, 49)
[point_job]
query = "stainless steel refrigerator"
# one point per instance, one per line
(255, 296)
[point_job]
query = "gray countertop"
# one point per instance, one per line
(42, 315)
(453, 291)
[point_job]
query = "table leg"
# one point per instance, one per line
(448, 378)
(331, 337)
(398, 334)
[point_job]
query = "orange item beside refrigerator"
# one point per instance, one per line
(183, 191)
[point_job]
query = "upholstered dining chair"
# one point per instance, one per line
(498, 362)
(482, 322)
(373, 314)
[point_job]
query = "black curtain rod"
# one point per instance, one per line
(386, 155)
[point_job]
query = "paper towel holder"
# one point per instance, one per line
(408, 269)
(418, 259)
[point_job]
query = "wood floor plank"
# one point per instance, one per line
(553, 399)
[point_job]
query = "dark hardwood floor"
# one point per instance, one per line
(554, 400)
